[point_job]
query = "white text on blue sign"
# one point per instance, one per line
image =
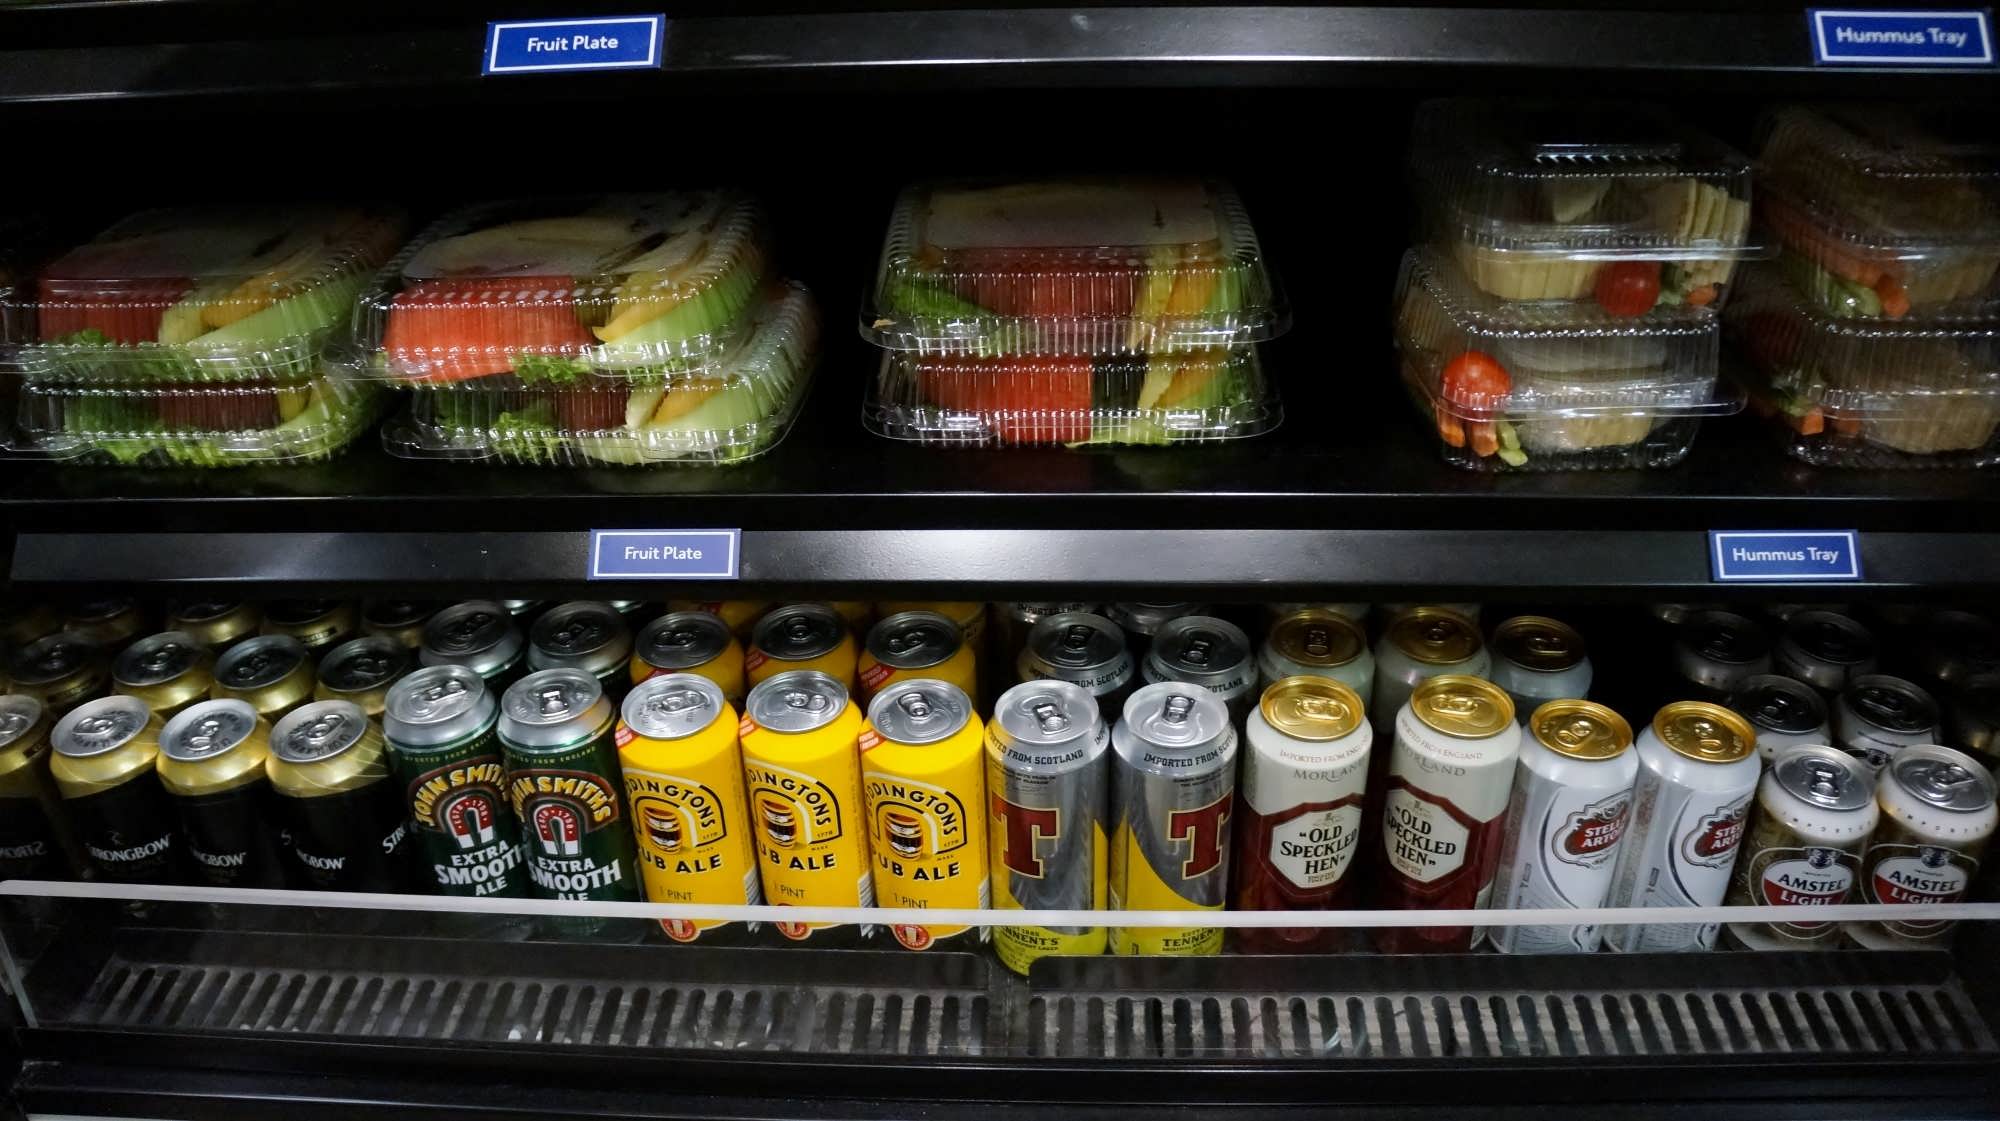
(545, 45)
(665, 554)
(1785, 555)
(1954, 37)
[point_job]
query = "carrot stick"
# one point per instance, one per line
(1449, 428)
(1485, 438)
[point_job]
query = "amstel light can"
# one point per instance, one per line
(1877, 716)
(916, 644)
(1421, 643)
(1571, 805)
(801, 636)
(103, 755)
(1815, 809)
(1784, 712)
(442, 727)
(212, 761)
(1938, 817)
(362, 670)
(1048, 789)
(318, 624)
(1305, 772)
(110, 623)
(677, 744)
(35, 840)
(400, 620)
(169, 671)
(62, 671)
(1087, 651)
(1698, 768)
(1173, 789)
(558, 737)
(480, 635)
(216, 624)
(584, 635)
(1141, 621)
(1318, 643)
(1212, 653)
(691, 642)
(739, 615)
(1715, 652)
(802, 767)
(272, 673)
(345, 814)
(1824, 649)
(1537, 659)
(923, 775)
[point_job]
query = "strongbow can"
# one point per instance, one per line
(1444, 809)
(801, 636)
(1317, 643)
(691, 642)
(343, 811)
(1048, 792)
(1572, 802)
(1938, 816)
(802, 767)
(690, 815)
(916, 644)
(1087, 651)
(169, 671)
(1785, 713)
(1298, 830)
(215, 624)
(318, 624)
(924, 779)
(480, 635)
(109, 623)
(212, 761)
(1140, 622)
(1815, 809)
(557, 734)
(1173, 788)
(1537, 659)
(1698, 767)
(1212, 653)
(62, 671)
(34, 833)
(399, 620)
(1421, 643)
(1877, 715)
(1715, 652)
(739, 615)
(103, 763)
(442, 724)
(272, 673)
(362, 670)
(584, 635)
(1824, 649)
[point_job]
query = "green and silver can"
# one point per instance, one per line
(563, 781)
(442, 725)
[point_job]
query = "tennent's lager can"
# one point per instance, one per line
(584, 635)
(801, 636)
(691, 642)
(110, 623)
(1141, 621)
(272, 673)
(399, 620)
(1317, 643)
(923, 764)
(480, 635)
(1087, 651)
(1012, 622)
(1537, 659)
(212, 761)
(318, 624)
(1784, 712)
(1825, 650)
(557, 732)
(1421, 643)
(169, 671)
(34, 833)
(802, 767)
(62, 671)
(1048, 790)
(216, 624)
(444, 748)
(362, 670)
(345, 814)
(103, 763)
(739, 615)
(1815, 809)
(677, 744)
(1715, 652)
(916, 644)
(1877, 715)
(1173, 789)
(1212, 653)
(1937, 818)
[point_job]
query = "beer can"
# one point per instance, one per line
(362, 670)
(169, 671)
(1388, 613)
(683, 770)
(1212, 653)
(1352, 612)
(1698, 768)
(1317, 643)
(1973, 724)
(103, 755)
(272, 672)
(109, 623)
(62, 671)
(1784, 711)
(802, 770)
(1538, 659)
(691, 642)
(558, 738)
(1814, 812)
(22, 623)
(318, 624)
(1954, 647)
(442, 727)
(739, 615)
(1877, 715)
(913, 645)
(1048, 784)
(480, 635)
(1825, 650)
(1087, 651)
(801, 636)
(212, 761)
(1938, 816)
(1571, 805)
(1012, 622)
(35, 841)
(970, 616)
(400, 620)
(1715, 652)
(923, 776)
(1173, 789)
(1421, 643)
(349, 828)
(584, 635)
(1141, 621)
(216, 624)
(1305, 773)
(1444, 810)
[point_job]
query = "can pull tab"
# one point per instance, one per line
(434, 698)
(1577, 733)
(323, 728)
(573, 635)
(1178, 708)
(12, 724)
(1547, 645)
(552, 700)
(470, 626)
(1051, 718)
(1199, 651)
(805, 702)
(1318, 642)
(1076, 638)
(798, 629)
(370, 665)
(1708, 739)
(677, 703)
(915, 705)
(1823, 779)
(1944, 780)
(163, 658)
(204, 734)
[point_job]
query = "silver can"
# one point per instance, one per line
(1317, 643)
(273, 672)
(1938, 816)
(1209, 652)
(1815, 809)
(585, 635)
(361, 670)
(479, 635)
(1824, 650)
(1785, 711)
(1878, 715)
(1012, 621)
(1141, 621)
(1085, 650)
(1538, 659)
(169, 671)
(1173, 787)
(321, 624)
(1715, 652)
(1421, 643)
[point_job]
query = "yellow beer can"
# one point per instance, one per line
(802, 768)
(691, 642)
(916, 644)
(740, 615)
(923, 773)
(801, 636)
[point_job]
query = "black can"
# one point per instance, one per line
(349, 829)
(212, 762)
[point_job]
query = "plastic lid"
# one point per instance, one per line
(98, 726)
(1084, 266)
(914, 640)
(316, 731)
(1175, 714)
(18, 713)
(205, 730)
(919, 711)
(1824, 776)
(437, 704)
(157, 659)
(672, 706)
(1580, 729)
(257, 662)
(683, 640)
(796, 701)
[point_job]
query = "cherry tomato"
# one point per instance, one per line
(1628, 287)
(1475, 380)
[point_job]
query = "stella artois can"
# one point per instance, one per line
(1698, 768)
(1937, 818)
(1538, 659)
(1571, 805)
(923, 764)
(802, 770)
(1815, 810)
(1785, 713)
(1424, 642)
(1173, 786)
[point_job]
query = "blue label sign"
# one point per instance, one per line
(665, 554)
(536, 46)
(1961, 37)
(1742, 555)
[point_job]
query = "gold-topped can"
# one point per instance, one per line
(1706, 733)
(103, 757)
(399, 619)
(272, 672)
(169, 671)
(62, 670)
(1537, 659)
(216, 624)
(350, 830)
(22, 623)
(1318, 643)
(35, 842)
(362, 670)
(319, 624)
(1466, 708)
(1423, 642)
(213, 763)
(110, 622)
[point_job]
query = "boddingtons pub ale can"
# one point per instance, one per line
(923, 763)
(802, 766)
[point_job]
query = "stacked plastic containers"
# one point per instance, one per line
(195, 337)
(1874, 338)
(1072, 312)
(614, 330)
(1562, 311)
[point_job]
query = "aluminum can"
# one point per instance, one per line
(480, 635)
(273, 673)
(802, 770)
(1011, 623)
(216, 624)
(1698, 769)
(1973, 721)
(557, 736)
(109, 623)
(1571, 805)
(914, 645)
(1814, 812)
(923, 777)
(103, 758)
(1954, 647)
(1317, 643)
(345, 814)
(1048, 783)
(1299, 810)
(62, 671)
(1715, 652)
(584, 635)
(169, 671)
(1938, 817)
(320, 624)
(969, 615)
(739, 615)
(362, 670)
(691, 642)
(212, 761)
(1538, 659)
(401, 620)
(1824, 649)
(1173, 791)
(1141, 621)
(34, 832)
(1353, 612)
(1423, 642)
(24, 622)
(1087, 651)
(1784, 711)
(1877, 715)
(802, 636)
(1212, 653)
(442, 724)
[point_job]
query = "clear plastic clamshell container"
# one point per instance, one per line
(1552, 387)
(1089, 266)
(1162, 397)
(200, 295)
(732, 407)
(556, 292)
(1885, 211)
(1872, 393)
(1617, 206)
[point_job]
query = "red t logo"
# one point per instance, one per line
(1202, 830)
(1021, 827)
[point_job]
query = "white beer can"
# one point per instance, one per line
(1423, 642)
(1538, 659)
(1316, 643)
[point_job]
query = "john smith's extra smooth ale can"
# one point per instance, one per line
(1048, 791)
(442, 724)
(557, 735)
(1173, 790)
(923, 776)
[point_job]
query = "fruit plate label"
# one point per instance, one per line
(665, 554)
(1952, 37)
(1785, 555)
(539, 46)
